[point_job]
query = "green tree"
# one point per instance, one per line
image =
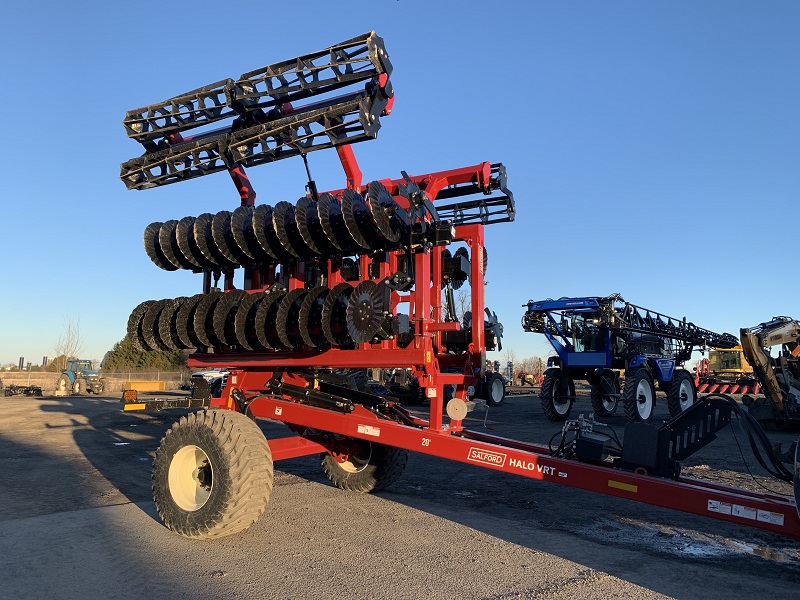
(125, 356)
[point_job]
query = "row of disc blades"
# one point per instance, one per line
(275, 319)
(264, 234)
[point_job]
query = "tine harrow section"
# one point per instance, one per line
(268, 121)
(354, 61)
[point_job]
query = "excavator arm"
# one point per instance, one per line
(756, 342)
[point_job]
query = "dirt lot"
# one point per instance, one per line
(77, 520)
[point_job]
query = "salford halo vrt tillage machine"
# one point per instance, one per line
(335, 283)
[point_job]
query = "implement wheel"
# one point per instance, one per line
(639, 396)
(212, 474)
(493, 389)
(605, 394)
(557, 395)
(365, 467)
(681, 393)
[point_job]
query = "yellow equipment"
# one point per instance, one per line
(725, 372)
(779, 376)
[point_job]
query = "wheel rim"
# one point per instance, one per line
(560, 403)
(644, 399)
(191, 478)
(355, 463)
(609, 403)
(685, 394)
(608, 391)
(497, 390)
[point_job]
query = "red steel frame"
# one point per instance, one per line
(251, 373)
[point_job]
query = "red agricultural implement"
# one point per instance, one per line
(725, 371)
(352, 279)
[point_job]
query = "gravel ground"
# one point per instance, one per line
(77, 520)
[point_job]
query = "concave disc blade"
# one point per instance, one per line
(287, 319)
(390, 217)
(224, 317)
(310, 317)
(358, 220)
(204, 239)
(334, 315)
(165, 325)
(266, 317)
(331, 219)
(148, 327)
(203, 315)
(134, 324)
(153, 247)
(244, 323)
(242, 228)
(238, 218)
(168, 243)
(184, 236)
(286, 229)
(265, 233)
(223, 239)
(306, 215)
(365, 312)
(184, 322)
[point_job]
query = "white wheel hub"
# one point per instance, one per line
(190, 478)
(685, 394)
(497, 390)
(644, 399)
(560, 400)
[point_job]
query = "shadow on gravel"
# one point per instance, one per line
(61, 535)
(575, 524)
(119, 445)
(588, 528)
(541, 516)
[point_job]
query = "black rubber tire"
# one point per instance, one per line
(79, 386)
(64, 384)
(606, 385)
(553, 387)
(637, 381)
(493, 389)
(372, 469)
(681, 393)
(236, 457)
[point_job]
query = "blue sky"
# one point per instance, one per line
(652, 147)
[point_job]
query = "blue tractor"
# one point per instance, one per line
(598, 339)
(80, 378)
